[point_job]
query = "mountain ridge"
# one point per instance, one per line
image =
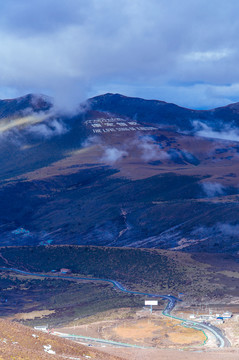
(17, 106)
(43, 102)
(164, 113)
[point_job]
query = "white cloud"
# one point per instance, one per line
(149, 149)
(226, 133)
(208, 55)
(112, 155)
(47, 130)
(73, 47)
(212, 189)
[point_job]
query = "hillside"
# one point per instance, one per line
(117, 173)
(20, 342)
(163, 113)
(15, 108)
(57, 301)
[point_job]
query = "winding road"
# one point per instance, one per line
(222, 341)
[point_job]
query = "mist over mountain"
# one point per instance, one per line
(26, 104)
(120, 172)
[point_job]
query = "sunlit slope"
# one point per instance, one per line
(32, 137)
(20, 342)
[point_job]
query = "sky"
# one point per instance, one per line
(180, 51)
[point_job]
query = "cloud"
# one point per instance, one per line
(70, 49)
(91, 141)
(149, 149)
(112, 155)
(226, 132)
(228, 229)
(39, 125)
(21, 122)
(219, 229)
(48, 129)
(208, 55)
(212, 189)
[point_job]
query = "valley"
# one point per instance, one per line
(40, 296)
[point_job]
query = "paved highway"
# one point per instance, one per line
(222, 341)
(95, 340)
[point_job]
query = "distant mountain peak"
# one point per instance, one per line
(33, 102)
(117, 96)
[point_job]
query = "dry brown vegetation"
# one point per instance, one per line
(18, 342)
(143, 330)
(162, 354)
(163, 332)
(33, 314)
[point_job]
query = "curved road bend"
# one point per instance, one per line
(222, 341)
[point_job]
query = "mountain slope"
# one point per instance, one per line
(163, 113)
(18, 107)
(121, 173)
(20, 342)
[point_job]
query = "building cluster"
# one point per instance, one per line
(220, 317)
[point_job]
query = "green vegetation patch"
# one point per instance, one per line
(150, 271)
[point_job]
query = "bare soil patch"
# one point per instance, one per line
(160, 354)
(33, 315)
(151, 332)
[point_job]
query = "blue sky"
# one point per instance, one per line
(181, 51)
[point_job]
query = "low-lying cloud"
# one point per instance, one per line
(38, 126)
(150, 150)
(22, 122)
(112, 155)
(48, 129)
(226, 132)
(219, 229)
(144, 147)
(212, 189)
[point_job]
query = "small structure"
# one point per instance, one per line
(226, 315)
(151, 303)
(65, 271)
(212, 316)
(43, 328)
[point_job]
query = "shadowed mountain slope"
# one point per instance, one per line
(163, 113)
(15, 107)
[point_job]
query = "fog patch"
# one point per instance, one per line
(112, 155)
(227, 133)
(48, 130)
(150, 150)
(91, 141)
(223, 229)
(212, 189)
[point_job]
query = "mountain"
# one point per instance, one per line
(18, 107)
(121, 172)
(163, 113)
